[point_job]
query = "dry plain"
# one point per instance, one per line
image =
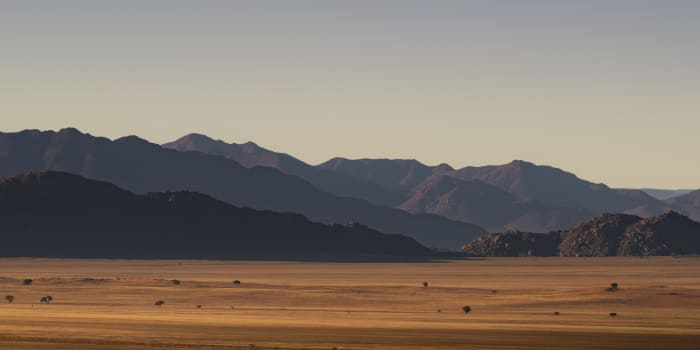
(108, 304)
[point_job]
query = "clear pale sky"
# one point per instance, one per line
(608, 89)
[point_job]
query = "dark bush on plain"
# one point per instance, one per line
(27, 281)
(466, 309)
(237, 282)
(176, 282)
(10, 298)
(159, 303)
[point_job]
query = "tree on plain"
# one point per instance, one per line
(10, 299)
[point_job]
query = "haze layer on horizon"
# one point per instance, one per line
(609, 90)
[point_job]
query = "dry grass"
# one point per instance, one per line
(108, 304)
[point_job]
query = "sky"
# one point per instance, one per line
(609, 90)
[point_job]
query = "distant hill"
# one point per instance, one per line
(54, 214)
(605, 235)
(689, 203)
(250, 154)
(555, 186)
(140, 166)
(490, 206)
(662, 194)
(395, 174)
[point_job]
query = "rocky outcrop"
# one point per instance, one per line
(606, 235)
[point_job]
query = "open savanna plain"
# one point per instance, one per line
(109, 304)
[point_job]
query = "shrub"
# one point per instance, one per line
(237, 282)
(10, 298)
(27, 281)
(613, 285)
(612, 314)
(176, 282)
(425, 284)
(159, 303)
(466, 309)
(556, 313)
(46, 300)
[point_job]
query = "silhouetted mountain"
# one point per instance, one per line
(555, 186)
(488, 206)
(140, 166)
(394, 174)
(58, 214)
(689, 203)
(605, 235)
(662, 194)
(546, 198)
(249, 155)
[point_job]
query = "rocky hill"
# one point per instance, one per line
(54, 214)
(606, 235)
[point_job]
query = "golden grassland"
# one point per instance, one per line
(108, 304)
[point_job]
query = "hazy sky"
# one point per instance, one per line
(607, 89)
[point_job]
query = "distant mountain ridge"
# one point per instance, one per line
(140, 166)
(490, 206)
(605, 235)
(55, 214)
(250, 155)
(532, 197)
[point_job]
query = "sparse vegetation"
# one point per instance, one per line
(10, 299)
(27, 282)
(556, 313)
(237, 282)
(466, 309)
(613, 314)
(159, 303)
(176, 282)
(425, 284)
(46, 300)
(612, 288)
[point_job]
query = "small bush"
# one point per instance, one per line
(10, 299)
(176, 282)
(159, 303)
(425, 284)
(612, 314)
(613, 285)
(27, 282)
(556, 313)
(46, 300)
(466, 309)
(237, 282)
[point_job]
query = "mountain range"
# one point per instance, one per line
(518, 195)
(55, 214)
(439, 206)
(140, 166)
